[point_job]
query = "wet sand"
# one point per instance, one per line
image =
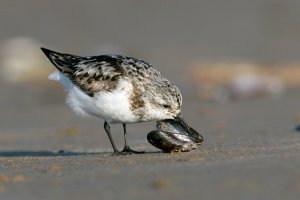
(250, 151)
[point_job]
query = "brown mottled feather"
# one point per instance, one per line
(101, 74)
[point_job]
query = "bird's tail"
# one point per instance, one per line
(63, 62)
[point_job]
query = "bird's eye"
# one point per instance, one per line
(166, 106)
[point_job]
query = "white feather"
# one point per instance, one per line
(113, 106)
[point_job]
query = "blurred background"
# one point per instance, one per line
(219, 53)
(236, 63)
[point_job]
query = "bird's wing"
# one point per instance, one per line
(97, 73)
(101, 73)
(90, 74)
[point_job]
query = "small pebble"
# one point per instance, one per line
(297, 128)
(55, 169)
(4, 179)
(160, 183)
(18, 178)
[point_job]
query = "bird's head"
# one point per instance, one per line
(164, 104)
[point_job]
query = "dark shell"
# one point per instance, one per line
(171, 136)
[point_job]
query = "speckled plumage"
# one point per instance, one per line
(101, 74)
(115, 88)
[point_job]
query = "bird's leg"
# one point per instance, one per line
(127, 149)
(107, 130)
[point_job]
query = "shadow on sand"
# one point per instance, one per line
(47, 153)
(57, 153)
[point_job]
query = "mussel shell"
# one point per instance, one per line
(170, 136)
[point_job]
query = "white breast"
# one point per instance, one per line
(113, 107)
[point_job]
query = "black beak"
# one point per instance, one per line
(180, 120)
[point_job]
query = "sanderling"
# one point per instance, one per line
(117, 89)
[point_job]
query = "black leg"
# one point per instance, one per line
(107, 130)
(125, 136)
(127, 149)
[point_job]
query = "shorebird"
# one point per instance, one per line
(117, 89)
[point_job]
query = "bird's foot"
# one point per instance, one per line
(127, 150)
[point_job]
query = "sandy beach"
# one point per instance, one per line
(251, 150)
